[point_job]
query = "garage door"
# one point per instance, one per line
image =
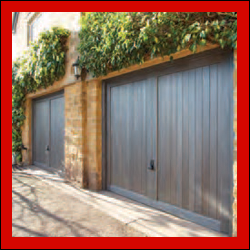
(48, 132)
(169, 137)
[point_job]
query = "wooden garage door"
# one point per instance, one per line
(48, 132)
(170, 137)
(133, 137)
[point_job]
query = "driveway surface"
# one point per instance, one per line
(41, 210)
(43, 205)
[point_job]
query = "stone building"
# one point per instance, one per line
(113, 132)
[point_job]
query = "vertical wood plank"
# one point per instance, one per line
(137, 137)
(109, 138)
(144, 141)
(121, 135)
(213, 141)
(185, 148)
(191, 138)
(167, 144)
(104, 138)
(141, 129)
(205, 146)
(198, 140)
(179, 139)
(41, 133)
(224, 138)
(131, 148)
(113, 138)
(231, 147)
(155, 133)
(118, 136)
(133, 138)
(127, 131)
(151, 136)
(164, 156)
(140, 132)
(57, 134)
(174, 139)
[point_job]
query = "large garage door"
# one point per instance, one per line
(170, 137)
(48, 132)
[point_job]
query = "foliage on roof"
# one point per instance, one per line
(111, 41)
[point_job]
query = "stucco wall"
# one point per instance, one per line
(67, 20)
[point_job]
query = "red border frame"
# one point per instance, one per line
(240, 242)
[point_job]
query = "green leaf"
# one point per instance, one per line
(203, 34)
(193, 47)
(33, 70)
(203, 42)
(187, 37)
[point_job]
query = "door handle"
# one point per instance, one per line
(47, 148)
(151, 165)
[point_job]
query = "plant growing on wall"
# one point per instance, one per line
(41, 65)
(111, 41)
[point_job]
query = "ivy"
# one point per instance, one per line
(110, 41)
(40, 66)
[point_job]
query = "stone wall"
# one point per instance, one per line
(94, 134)
(74, 113)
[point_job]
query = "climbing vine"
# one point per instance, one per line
(41, 65)
(111, 41)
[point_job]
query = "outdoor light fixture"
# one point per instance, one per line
(76, 67)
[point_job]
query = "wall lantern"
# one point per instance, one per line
(77, 70)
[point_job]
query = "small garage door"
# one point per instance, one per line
(170, 137)
(48, 132)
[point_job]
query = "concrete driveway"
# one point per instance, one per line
(44, 206)
(41, 210)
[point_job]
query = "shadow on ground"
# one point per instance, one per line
(42, 210)
(39, 210)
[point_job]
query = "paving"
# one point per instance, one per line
(40, 210)
(43, 205)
